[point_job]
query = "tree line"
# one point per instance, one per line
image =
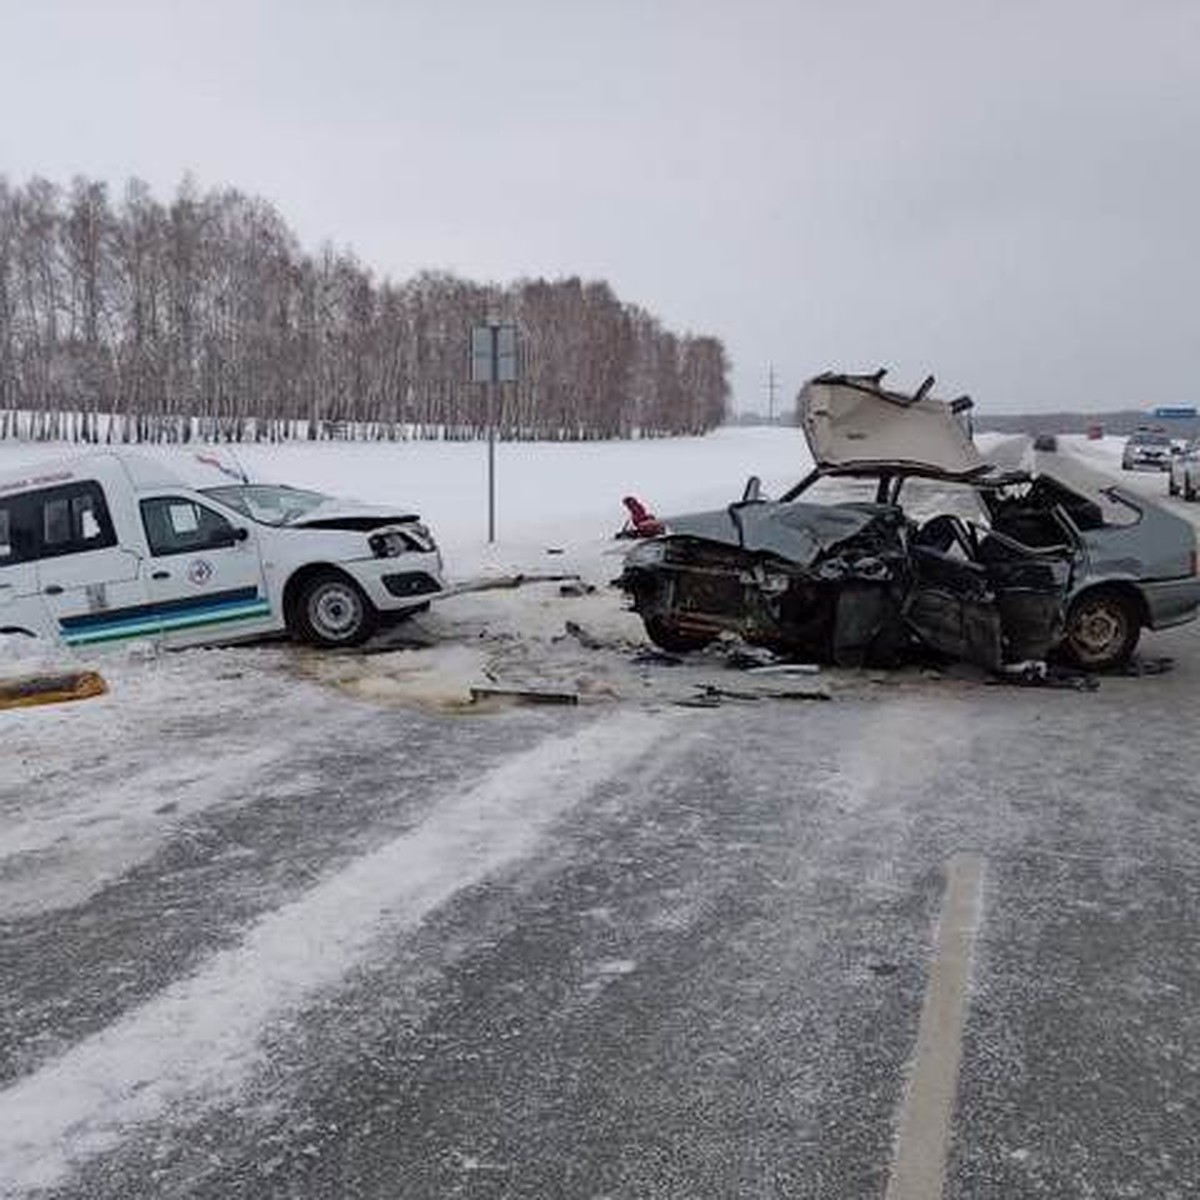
(136, 320)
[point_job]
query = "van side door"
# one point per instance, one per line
(93, 586)
(205, 571)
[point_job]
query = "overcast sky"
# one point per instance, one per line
(1004, 194)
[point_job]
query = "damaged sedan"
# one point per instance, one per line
(1033, 569)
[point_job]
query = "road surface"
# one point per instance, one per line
(624, 951)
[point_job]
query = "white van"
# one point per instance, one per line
(114, 546)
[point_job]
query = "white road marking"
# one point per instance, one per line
(193, 1044)
(918, 1168)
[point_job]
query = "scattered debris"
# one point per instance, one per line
(28, 691)
(717, 692)
(576, 588)
(883, 969)
(1046, 675)
(785, 669)
(589, 641)
(491, 583)
(657, 657)
(1146, 666)
(482, 695)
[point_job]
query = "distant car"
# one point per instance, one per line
(1147, 448)
(1046, 443)
(854, 582)
(1184, 478)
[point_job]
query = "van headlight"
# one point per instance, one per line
(392, 543)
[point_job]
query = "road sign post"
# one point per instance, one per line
(493, 362)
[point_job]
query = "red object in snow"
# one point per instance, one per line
(641, 523)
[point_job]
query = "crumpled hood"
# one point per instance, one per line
(346, 514)
(796, 531)
(854, 424)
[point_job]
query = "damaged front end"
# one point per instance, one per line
(850, 585)
(839, 601)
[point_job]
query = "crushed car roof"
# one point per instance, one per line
(854, 425)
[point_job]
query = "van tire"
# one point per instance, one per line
(331, 610)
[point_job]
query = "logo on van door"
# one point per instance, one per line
(199, 572)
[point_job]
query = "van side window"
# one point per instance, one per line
(69, 520)
(176, 525)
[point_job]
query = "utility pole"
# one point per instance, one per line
(771, 386)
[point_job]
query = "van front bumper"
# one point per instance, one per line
(403, 581)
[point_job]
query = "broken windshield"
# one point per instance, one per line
(268, 504)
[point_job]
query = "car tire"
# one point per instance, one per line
(1102, 630)
(1189, 492)
(1172, 486)
(667, 638)
(331, 610)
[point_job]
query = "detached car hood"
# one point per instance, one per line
(345, 514)
(854, 425)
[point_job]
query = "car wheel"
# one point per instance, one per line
(1103, 628)
(1189, 492)
(332, 610)
(663, 635)
(1172, 486)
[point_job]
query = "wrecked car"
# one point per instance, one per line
(114, 546)
(1035, 568)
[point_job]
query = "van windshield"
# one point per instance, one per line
(268, 504)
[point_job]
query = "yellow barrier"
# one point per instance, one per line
(30, 690)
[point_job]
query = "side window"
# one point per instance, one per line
(67, 520)
(176, 525)
(8, 551)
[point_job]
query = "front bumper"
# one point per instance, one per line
(403, 581)
(1171, 601)
(1153, 462)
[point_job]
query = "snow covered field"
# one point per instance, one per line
(546, 490)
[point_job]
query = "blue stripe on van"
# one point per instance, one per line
(158, 609)
(142, 620)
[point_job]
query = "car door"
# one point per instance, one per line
(92, 586)
(205, 572)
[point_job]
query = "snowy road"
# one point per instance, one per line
(338, 950)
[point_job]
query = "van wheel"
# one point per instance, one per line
(1103, 628)
(331, 611)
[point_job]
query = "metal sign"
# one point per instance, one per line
(493, 362)
(1181, 411)
(494, 353)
